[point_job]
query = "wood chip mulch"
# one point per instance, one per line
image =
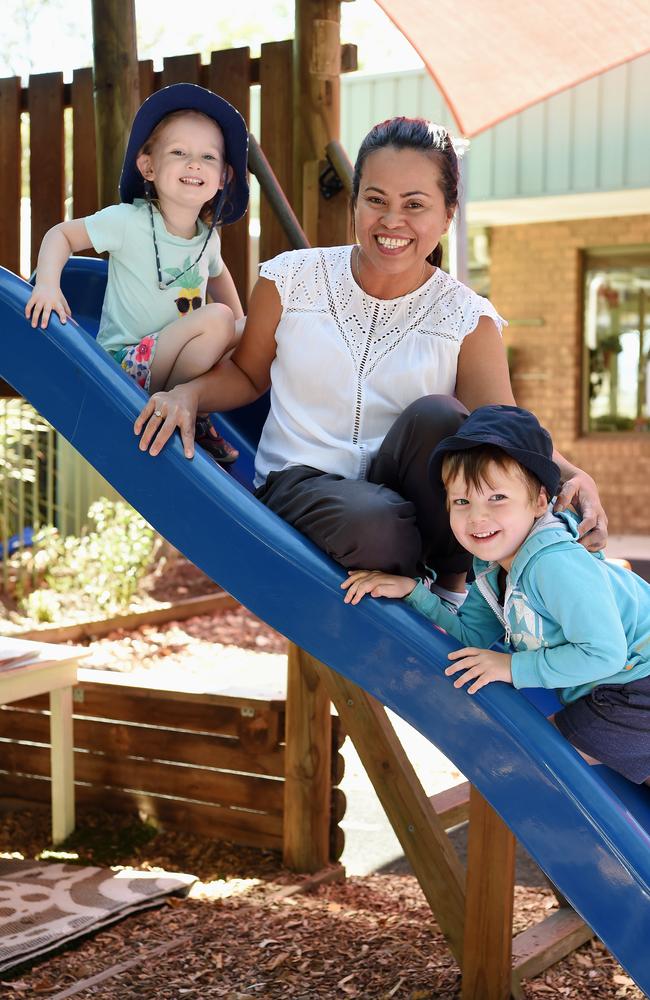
(241, 935)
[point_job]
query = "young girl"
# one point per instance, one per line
(184, 174)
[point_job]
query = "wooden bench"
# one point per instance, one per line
(178, 751)
(48, 670)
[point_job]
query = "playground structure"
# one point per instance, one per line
(587, 828)
(381, 655)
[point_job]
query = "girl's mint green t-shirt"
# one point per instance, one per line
(134, 306)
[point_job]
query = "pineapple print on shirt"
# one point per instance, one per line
(188, 279)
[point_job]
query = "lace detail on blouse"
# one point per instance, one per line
(321, 282)
(348, 364)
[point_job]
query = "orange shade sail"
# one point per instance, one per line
(493, 58)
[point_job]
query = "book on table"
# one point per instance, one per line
(15, 653)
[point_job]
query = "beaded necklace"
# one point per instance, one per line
(215, 218)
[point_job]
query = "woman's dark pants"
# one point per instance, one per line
(395, 520)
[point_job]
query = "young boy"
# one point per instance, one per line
(572, 620)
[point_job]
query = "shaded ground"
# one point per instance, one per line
(371, 938)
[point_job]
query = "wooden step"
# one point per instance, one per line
(452, 805)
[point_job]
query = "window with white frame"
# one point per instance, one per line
(617, 340)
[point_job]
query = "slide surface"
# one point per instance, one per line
(588, 828)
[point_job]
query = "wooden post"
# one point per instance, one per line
(308, 764)
(276, 139)
(10, 177)
(46, 161)
(489, 901)
(84, 147)
(229, 76)
(316, 85)
(62, 764)
(411, 814)
(117, 93)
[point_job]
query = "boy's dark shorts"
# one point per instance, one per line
(612, 724)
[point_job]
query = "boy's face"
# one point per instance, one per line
(493, 521)
(187, 163)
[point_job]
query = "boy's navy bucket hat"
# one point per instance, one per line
(190, 97)
(517, 432)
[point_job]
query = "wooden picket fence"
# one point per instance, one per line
(230, 73)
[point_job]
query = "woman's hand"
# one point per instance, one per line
(581, 492)
(163, 413)
(372, 581)
(44, 300)
(481, 666)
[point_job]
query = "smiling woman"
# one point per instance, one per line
(374, 354)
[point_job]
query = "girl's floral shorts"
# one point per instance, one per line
(136, 360)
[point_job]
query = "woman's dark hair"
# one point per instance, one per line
(420, 134)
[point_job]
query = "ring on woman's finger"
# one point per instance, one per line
(157, 413)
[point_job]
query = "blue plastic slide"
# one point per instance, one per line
(586, 827)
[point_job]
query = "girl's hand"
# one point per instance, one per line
(44, 300)
(581, 492)
(375, 583)
(481, 666)
(162, 414)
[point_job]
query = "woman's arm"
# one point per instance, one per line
(483, 378)
(239, 380)
(222, 289)
(579, 490)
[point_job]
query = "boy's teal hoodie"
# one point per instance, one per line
(574, 620)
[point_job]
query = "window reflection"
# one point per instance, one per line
(617, 342)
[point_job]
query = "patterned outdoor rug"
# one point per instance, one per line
(43, 906)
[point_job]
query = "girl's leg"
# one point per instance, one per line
(402, 464)
(192, 345)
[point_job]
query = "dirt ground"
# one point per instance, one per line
(240, 934)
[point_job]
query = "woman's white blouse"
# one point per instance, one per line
(348, 364)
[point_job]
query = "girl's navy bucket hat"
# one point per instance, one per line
(190, 97)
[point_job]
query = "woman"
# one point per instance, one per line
(373, 354)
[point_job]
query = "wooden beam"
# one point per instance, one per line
(167, 612)
(10, 176)
(546, 943)
(229, 76)
(316, 84)
(84, 146)
(348, 65)
(452, 805)
(117, 92)
(489, 901)
(308, 765)
(276, 139)
(418, 828)
(46, 161)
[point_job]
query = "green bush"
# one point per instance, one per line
(101, 568)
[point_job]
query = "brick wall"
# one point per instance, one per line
(536, 282)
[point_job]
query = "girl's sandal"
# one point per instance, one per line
(216, 445)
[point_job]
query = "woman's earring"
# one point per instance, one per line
(148, 190)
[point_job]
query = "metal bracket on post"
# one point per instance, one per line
(329, 182)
